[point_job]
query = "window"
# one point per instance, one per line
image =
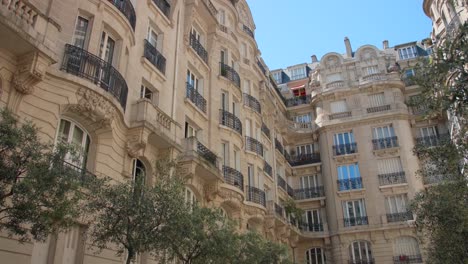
(409, 73)
(343, 143)
(247, 87)
(311, 181)
(146, 93)
(304, 118)
(429, 132)
(349, 177)
(299, 92)
(384, 137)
(360, 252)
(333, 77)
(408, 52)
(388, 166)
(277, 77)
(383, 132)
(338, 106)
(223, 56)
(354, 213)
(153, 37)
(222, 17)
(376, 99)
(298, 73)
(190, 197)
(225, 153)
(71, 133)
(315, 256)
(194, 82)
(81, 31)
(248, 128)
(107, 47)
(313, 220)
(190, 130)
(225, 101)
(250, 174)
(138, 171)
(305, 149)
(370, 70)
(406, 250)
(196, 35)
(396, 207)
(237, 159)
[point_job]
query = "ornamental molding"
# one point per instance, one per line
(95, 107)
(31, 70)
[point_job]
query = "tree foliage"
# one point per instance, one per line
(39, 193)
(132, 215)
(442, 208)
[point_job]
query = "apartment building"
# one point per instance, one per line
(134, 81)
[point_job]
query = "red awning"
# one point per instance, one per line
(297, 87)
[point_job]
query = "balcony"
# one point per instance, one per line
(392, 178)
(311, 227)
(233, 177)
(252, 103)
(300, 100)
(279, 211)
(255, 195)
(377, 109)
(230, 120)
(164, 6)
(432, 141)
(262, 68)
(145, 113)
(361, 261)
(350, 184)
(309, 193)
(198, 48)
(301, 127)
(248, 31)
(155, 57)
(196, 98)
(355, 221)
(345, 149)
(81, 63)
(207, 154)
(230, 74)
(399, 217)
(335, 84)
(339, 115)
(385, 143)
(281, 183)
(407, 259)
(279, 146)
(268, 169)
(304, 159)
(374, 77)
(84, 176)
(251, 144)
(126, 8)
(290, 190)
(266, 130)
(200, 160)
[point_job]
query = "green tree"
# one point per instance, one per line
(132, 215)
(442, 209)
(39, 193)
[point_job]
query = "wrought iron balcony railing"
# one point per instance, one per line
(268, 169)
(279, 210)
(281, 182)
(432, 141)
(304, 159)
(290, 190)
(279, 146)
(164, 6)
(309, 193)
(350, 184)
(378, 109)
(407, 259)
(229, 73)
(345, 149)
(207, 154)
(392, 178)
(233, 177)
(81, 63)
(248, 31)
(198, 48)
(196, 98)
(126, 8)
(384, 143)
(262, 68)
(252, 103)
(300, 100)
(266, 130)
(81, 174)
(399, 217)
(251, 144)
(230, 120)
(311, 227)
(255, 195)
(339, 115)
(361, 261)
(355, 221)
(155, 57)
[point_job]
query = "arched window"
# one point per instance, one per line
(360, 252)
(190, 197)
(73, 134)
(138, 171)
(315, 256)
(406, 250)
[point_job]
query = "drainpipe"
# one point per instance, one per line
(175, 83)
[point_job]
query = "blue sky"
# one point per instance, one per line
(289, 32)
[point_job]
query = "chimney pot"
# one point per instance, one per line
(349, 50)
(385, 44)
(314, 58)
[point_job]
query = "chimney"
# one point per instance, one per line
(349, 50)
(385, 44)
(314, 58)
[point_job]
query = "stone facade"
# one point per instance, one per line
(134, 81)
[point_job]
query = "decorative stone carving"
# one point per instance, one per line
(387, 152)
(210, 191)
(136, 145)
(94, 107)
(31, 70)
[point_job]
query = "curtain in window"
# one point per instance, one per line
(376, 100)
(338, 106)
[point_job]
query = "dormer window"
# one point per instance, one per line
(408, 52)
(298, 73)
